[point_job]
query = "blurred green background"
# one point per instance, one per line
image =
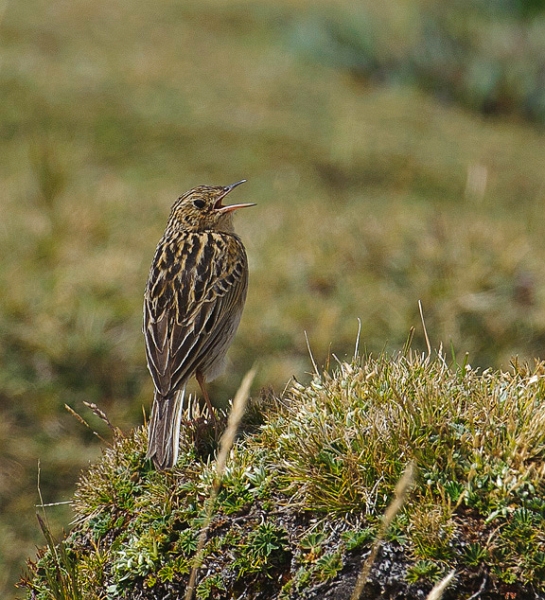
(396, 152)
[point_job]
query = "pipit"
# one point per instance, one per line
(193, 302)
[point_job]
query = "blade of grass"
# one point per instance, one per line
(438, 589)
(400, 493)
(226, 443)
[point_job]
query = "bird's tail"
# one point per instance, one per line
(164, 429)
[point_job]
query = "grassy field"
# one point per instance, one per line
(373, 193)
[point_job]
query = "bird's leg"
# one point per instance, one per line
(200, 379)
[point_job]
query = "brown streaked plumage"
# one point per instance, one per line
(194, 298)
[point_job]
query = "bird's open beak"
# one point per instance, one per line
(226, 209)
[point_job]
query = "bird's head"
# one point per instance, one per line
(201, 208)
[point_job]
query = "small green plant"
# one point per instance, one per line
(454, 490)
(522, 521)
(475, 555)
(263, 551)
(312, 543)
(424, 570)
(537, 564)
(328, 566)
(506, 575)
(397, 532)
(210, 587)
(357, 538)
(187, 542)
(137, 556)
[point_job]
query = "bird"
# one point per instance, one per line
(193, 302)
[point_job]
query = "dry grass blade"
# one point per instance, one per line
(400, 493)
(102, 416)
(481, 588)
(77, 416)
(49, 504)
(314, 365)
(226, 443)
(408, 342)
(424, 327)
(83, 421)
(43, 522)
(438, 589)
(357, 346)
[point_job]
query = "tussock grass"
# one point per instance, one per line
(302, 498)
(342, 434)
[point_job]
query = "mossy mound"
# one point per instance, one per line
(304, 492)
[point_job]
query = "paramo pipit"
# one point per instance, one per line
(192, 307)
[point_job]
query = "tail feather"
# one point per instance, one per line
(164, 429)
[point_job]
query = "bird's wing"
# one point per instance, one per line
(191, 297)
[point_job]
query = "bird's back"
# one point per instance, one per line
(193, 303)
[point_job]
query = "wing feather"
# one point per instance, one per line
(191, 310)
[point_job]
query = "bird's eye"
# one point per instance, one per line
(198, 203)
